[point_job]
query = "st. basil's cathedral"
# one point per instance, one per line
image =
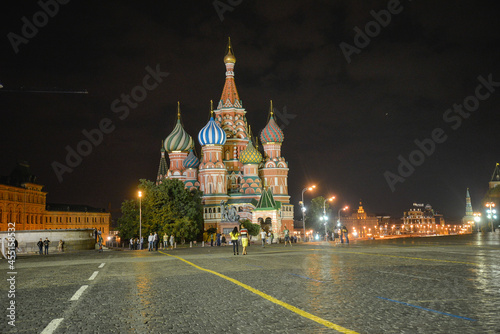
(232, 173)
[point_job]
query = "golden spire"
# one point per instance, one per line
(178, 110)
(271, 109)
(229, 58)
(211, 108)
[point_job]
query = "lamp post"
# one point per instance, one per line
(338, 215)
(304, 208)
(325, 218)
(140, 218)
(491, 213)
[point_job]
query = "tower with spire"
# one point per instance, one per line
(232, 170)
(469, 213)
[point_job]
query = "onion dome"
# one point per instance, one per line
(229, 57)
(272, 132)
(191, 160)
(212, 133)
(250, 155)
(178, 140)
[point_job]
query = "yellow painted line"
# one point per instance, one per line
(409, 257)
(272, 299)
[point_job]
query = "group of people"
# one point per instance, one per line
(44, 245)
(339, 234)
(153, 242)
(217, 238)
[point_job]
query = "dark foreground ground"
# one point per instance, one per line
(422, 285)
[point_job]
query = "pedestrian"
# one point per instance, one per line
(223, 240)
(234, 240)
(218, 239)
(165, 241)
(131, 243)
(286, 232)
(211, 239)
(345, 232)
(172, 240)
(40, 246)
(151, 239)
(244, 240)
(46, 243)
(100, 243)
(156, 241)
(263, 235)
(137, 243)
(60, 246)
(142, 241)
(272, 237)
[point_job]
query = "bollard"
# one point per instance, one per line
(175, 244)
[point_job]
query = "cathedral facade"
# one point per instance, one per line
(234, 173)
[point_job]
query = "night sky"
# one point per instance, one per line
(348, 123)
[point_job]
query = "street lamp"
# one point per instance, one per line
(325, 218)
(338, 215)
(491, 213)
(304, 208)
(140, 218)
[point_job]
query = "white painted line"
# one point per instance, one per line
(102, 265)
(79, 292)
(52, 326)
(93, 275)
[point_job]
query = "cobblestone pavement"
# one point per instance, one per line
(421, 285)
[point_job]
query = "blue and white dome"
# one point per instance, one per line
(212, 134)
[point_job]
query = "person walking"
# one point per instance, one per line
(345, 232)
(234, 240)
(218, 239)
(244, 240)
(142, 242)
(341, 234)
(223, 240)
(40, 246)
(46, 243)
(100, 243)
(286, 232)
(263, 235)
(272, 237)
(60, 246)
(165, 241)
(172, 240)
(156, 241)
(150, 242)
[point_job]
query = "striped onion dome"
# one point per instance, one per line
(191, 160)
(272, 132)
(250, 155)
(212, 134)
(178, 140)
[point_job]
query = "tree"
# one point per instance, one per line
(128, 223)
(315, 212)
(166, 208)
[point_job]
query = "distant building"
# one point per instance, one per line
(495, 178)
(23, 207)
(361, 224)
(419, 214)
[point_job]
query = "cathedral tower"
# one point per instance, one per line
(177, 144)
(274, 172)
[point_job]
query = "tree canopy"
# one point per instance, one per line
(166, 208)
(314, 214)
